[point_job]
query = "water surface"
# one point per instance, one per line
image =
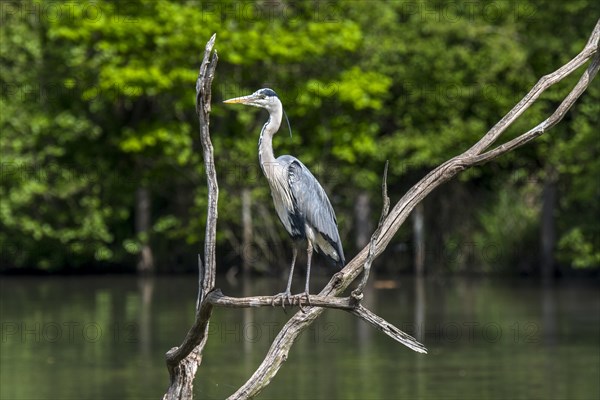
(105, 338)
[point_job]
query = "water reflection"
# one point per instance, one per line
(419, 307)
(549, 323)
(146, 290)
(105, 337)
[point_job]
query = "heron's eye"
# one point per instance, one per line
(262, 96)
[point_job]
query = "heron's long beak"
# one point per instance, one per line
(240, 100)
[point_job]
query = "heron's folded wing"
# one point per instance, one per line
(312, 201)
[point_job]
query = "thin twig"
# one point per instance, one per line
(357, 293)
(389, 329)
(200, 284)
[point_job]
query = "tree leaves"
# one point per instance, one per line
(98, 100)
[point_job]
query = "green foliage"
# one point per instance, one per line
(99, 101)
(508, 229)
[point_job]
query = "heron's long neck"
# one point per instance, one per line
(265, 142)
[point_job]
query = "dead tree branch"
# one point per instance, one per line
(217, 298)
(357, 293)
(280, 347)
(183, 361)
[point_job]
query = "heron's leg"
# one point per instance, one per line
(309, 252)
(289, 285)
(287, 295)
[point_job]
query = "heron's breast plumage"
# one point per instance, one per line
(285, 205)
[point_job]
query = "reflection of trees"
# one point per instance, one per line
(420, 305)
(146, 291)
(364, 331)
(549, 322)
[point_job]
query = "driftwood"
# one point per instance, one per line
(183, 361)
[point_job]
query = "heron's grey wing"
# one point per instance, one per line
(312, 202)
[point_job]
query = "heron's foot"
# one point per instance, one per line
(299, 298)
(284, 296)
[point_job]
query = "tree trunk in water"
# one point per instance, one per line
(419, 239)
(247, 234)
(548, 228)
(142, 229)
(362, 219)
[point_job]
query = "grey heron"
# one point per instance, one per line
(300, 201)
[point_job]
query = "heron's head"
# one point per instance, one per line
(263, 98)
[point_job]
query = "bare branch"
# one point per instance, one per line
(218, 299)
(389, 329)
(540, 87)
(554, 119)
(203, 100)
(278, 351)
(384, 194)
(183, 361)
(450, 168)
(357, 293)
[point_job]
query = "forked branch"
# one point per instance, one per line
(184, 360)
(357, 293)
(278, 351)
(217, 298)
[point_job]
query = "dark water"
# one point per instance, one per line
(105, 338)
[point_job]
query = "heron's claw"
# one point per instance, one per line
(299, 297)
(284, 296)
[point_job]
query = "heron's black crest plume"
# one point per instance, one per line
(268, 92)
(271, 92)
(288, 121)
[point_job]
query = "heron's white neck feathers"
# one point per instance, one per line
(275, 172)
(265, 142)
